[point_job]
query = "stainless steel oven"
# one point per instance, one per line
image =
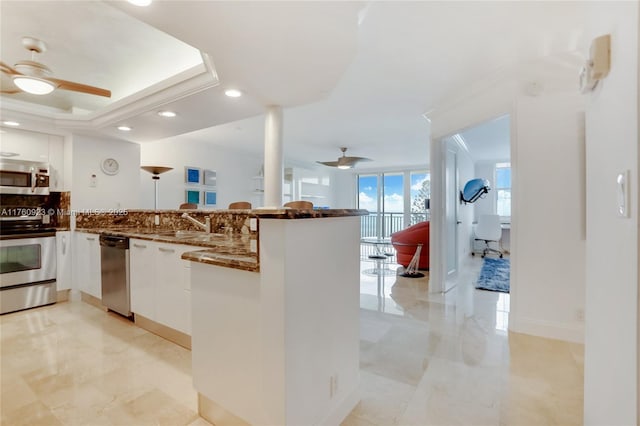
(27, 266)
(24, 177)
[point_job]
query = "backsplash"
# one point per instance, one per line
(222, 221)
(56, 205)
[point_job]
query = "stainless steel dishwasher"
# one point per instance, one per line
(114, 256)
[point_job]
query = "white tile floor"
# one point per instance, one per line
(426, 359)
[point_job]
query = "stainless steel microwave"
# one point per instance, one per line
(24, 177)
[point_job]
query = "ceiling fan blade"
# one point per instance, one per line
(82, 88)
(7, 69)
(328, 163)
(356, 159)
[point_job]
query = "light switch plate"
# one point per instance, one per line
(622, 193)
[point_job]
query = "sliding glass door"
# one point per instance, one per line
(395, 200)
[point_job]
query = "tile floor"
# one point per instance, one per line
(426, 359)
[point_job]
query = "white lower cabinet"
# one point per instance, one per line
(63, 260)
(87, 274)
(160, 283)
(142, 277)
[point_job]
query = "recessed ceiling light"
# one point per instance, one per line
(233, 93)
(124, 128)
(11, 123)
(141, 3)
(167, 114)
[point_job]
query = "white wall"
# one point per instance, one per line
(486, 205)
(111, 192)
(344, 190)
(550, 275)
(611, 353)
(547, 266)
(234, 172)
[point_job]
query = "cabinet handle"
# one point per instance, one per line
(64, 244)
(139, 245)
(91, 238)
(166, 250)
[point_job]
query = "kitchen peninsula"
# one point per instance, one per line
(274, 311)
(281, 347)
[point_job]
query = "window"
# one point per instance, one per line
(503, 189)
(395, 200)
(420, 196)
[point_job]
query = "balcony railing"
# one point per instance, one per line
(390, 223)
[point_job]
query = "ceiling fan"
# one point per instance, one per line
(35, 78)
(344, 162)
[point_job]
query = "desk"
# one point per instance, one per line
(505, 239)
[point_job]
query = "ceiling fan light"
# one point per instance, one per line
(33, 85)
(233, 93)
(345, 167)
(141, 3)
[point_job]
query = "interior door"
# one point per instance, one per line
(451, 218)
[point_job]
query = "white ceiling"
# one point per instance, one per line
(355, 74)
(489, 141)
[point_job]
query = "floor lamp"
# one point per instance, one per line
(156, 171)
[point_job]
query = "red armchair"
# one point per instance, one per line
(406, 241)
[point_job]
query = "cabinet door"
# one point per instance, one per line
(142, 276)
(173, 303)
(63, 260)
(56, 163)
(32, 146)
(86, 270)
(95, 274)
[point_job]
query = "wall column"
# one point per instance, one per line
(273, 157)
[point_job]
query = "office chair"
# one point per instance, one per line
(488, 230)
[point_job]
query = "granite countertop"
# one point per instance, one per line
(288, 213)
(213, 256)
(237, 251)
(270, 213)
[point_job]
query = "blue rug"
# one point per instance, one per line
(494, 275)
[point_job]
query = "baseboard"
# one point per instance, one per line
(63, 295)
(172, 335)
(216, 415)
(342, 411)
(552, 330)
(92, 300)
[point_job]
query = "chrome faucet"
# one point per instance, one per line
(206, 225)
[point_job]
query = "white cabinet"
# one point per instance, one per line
(87, 274)
(63, 260)
(173, 304)
(35, 146)
(160, 284)
(32, 146)
(56, 163)
(142, 277)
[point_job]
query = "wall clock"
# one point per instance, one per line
(110, 166)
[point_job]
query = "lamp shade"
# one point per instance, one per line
(156, 170)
